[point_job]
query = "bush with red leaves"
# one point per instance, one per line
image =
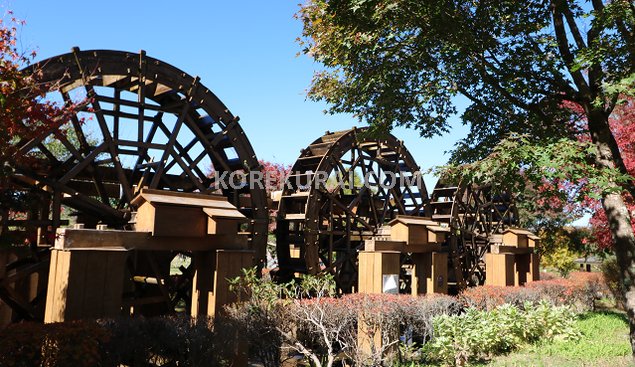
(578, 291)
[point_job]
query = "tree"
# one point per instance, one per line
(622, 123)
(521, 65)
(25, 114)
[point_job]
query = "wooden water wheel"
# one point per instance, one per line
(342, 189)
(475, 213)
(140, 123)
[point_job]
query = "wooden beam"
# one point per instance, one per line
(91, 238)
(502, 249)
(380, 245)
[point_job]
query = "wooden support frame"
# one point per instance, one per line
(85, 283)
(376, 268)
(210, 289)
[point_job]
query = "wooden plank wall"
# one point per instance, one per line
(229, 264)
(373, 266)
(85, 284)
(430, 273)
(500, 269)
(204, 263)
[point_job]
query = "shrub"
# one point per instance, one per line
(561, 259)
(76, 343)
(396, 320)
(490, 297)
(259, 325)
(478, 335)
(297, 317)
(579, 292)
(611, 272)
(308, 319)
(175, 340)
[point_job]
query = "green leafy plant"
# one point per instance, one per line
(561, 259)
(480, 335)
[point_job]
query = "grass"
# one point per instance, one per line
(604, 343)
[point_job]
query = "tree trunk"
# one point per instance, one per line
(617, 214)
(624, 242)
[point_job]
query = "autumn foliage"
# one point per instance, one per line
(275, 175)
(622, 123)
(25, 112)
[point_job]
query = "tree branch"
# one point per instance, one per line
(494, 83)
(573, 26)
(563, 47)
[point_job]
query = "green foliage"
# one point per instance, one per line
(402, 63)
(561, 246)
(604, 343)
(560, 259)
(601, 335)
(518, 162)
(553, 182)
(264, 291)
(260, 292)
(477, 335)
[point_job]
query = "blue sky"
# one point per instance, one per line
(245, 52)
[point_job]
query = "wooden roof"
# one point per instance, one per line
(438, 229)
(182, 198)
(219, 213)
(522, 231)
(408, 220)
(432, 225)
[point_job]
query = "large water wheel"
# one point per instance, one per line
(140, 123)
(475, 213)
(342, 189)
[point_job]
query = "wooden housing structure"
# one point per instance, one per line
(511, 269)
(517, 237)
(511, 260)
(417, 231)
(88, 266)
(178, 214)
(533, 240)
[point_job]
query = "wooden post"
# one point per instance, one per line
(522, 269)
(378, 273)
(500, 269)
(210, 290)
(204, 263)
(438, 280)
(378, 269)
(430, 273)
(229, 264)
(534, 268)
(85, 283)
